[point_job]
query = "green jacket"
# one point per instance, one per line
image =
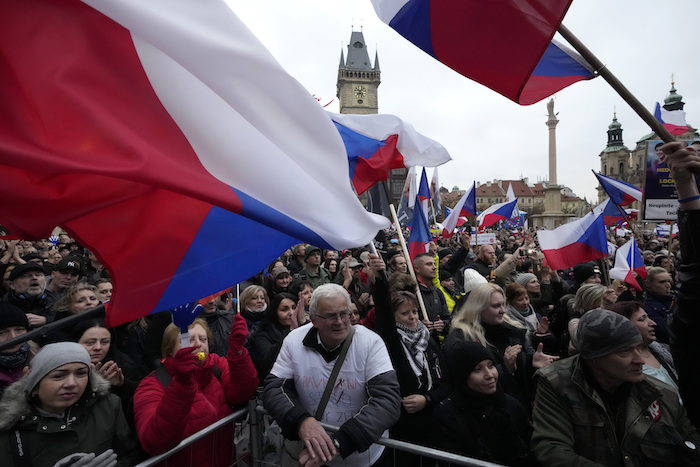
(572, 427)
(93, 424)
(323, 277)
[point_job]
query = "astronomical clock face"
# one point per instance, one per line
(360, 91)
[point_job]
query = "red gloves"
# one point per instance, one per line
(239, 332)
(183, 365)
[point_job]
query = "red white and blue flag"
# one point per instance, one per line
(498, 212)
(505, 45)
(673, 120)
(420, 238)
(164, 137)
(464, 208)
(575, 242)
(424, 192)
(620, 193)
(378, 143)
(628, 260)
(611, 213)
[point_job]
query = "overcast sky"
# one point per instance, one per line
(488, 136)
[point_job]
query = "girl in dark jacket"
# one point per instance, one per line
(478, 419)
(265, 340)
(62, 409)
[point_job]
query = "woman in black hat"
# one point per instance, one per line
(478, 419)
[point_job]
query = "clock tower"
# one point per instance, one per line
(358, 80)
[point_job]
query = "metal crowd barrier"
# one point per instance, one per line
(256, 412)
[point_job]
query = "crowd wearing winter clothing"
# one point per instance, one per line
(480, 350)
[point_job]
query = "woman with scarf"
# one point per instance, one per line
(418, 361)
(478, 419)
(519, 307)
(13, 323)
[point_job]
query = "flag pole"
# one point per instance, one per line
(617, 85)
(409, 263)
(404, 250)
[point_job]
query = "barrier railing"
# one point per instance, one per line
(257, 411)
(229, 419)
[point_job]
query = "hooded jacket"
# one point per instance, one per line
(92, 425)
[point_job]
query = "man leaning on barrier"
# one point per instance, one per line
(364, 401)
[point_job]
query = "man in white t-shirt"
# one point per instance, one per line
(365, 400)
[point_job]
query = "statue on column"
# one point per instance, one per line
(550, 109)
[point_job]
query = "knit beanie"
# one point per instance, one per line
(524, 278)
(466, 355)
(10, 315)
(583, 271)
(444, 252)
(445, 275)
(472, 278)
(602, 332)
(52, 356)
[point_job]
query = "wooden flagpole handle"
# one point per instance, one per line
(409, 263)
(617, 85)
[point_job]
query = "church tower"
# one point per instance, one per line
(358, 80)
(615, 159)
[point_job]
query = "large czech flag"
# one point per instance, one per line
(575, 242)
(505, 45)
(162, 135)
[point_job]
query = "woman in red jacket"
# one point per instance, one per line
(188, 394)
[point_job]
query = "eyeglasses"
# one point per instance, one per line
(334, 316)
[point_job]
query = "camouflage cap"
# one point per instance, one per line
(602, 332)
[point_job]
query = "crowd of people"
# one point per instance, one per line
(479, 350)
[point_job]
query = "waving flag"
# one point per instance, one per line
(628, 259)
(575, 242)
(505, 45)
(167, 139)
(611, 213)
(510, 196)
(498, 212)
(378, 143)
(420, 238)
(424, 192)
(620, 193)
(464, 208)
(673, 120)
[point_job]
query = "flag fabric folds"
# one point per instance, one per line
(575, 242)
(377, 143)
(420, 238)
(628, 259)
(505, 45)
(620, 193)
(498, 212)
(424, 192)
(465, 207)
(510, 196)
(163, 136)
(611, 213)
(672, 120)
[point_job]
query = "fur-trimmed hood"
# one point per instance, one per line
(15, 401)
